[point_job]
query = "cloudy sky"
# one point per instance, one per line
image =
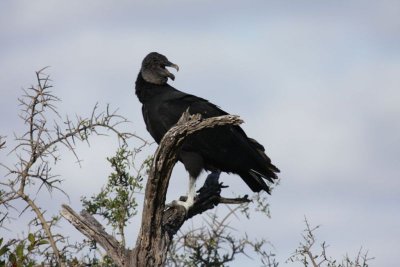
(316, 82)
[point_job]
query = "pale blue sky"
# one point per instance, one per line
(316, 82)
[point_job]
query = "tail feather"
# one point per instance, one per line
(255, 182)
(262, 169)
(266, 161)
(270, 177)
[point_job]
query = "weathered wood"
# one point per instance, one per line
(91, 228)
(154, 239)
(159, 223)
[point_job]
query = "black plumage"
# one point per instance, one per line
(225, 148)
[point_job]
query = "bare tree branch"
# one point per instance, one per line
(46, 227)
(306, 255)
(2, 142)
(159, 223)
(91, 228)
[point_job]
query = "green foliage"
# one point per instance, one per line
(116, 201)
(18, 253)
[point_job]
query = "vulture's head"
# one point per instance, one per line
(154, 68)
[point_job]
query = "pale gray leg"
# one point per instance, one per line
(190, 196)
(192, 191)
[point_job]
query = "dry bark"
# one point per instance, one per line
(159, 222)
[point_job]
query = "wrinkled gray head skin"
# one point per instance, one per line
(154, 68)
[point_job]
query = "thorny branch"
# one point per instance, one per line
(306, 255)
(38, 148)
(2, 142)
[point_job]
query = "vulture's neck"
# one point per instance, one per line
(145, 91)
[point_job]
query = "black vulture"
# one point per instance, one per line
(226, 148)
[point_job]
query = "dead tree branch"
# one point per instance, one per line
(160, 223)
(2, 142)
(91, 228)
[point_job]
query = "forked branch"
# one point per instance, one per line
(160, 223)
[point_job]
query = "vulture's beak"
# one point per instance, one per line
(171, 76)
(172, 65)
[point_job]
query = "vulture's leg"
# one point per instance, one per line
(190, 196)
(194, 164)
(192, 191)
